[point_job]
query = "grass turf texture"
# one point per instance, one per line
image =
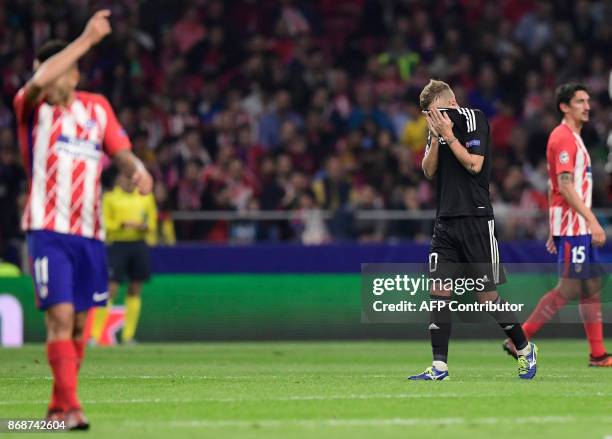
(319, 389)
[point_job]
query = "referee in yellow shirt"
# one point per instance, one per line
(130, 220)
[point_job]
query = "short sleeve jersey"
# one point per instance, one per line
(459, 192)
(566, 152)
(62, 150)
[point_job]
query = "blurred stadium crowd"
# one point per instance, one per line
(312, 106)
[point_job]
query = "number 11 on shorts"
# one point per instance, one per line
(41, 274)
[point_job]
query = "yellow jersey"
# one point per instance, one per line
(414, 134)
(122, 207)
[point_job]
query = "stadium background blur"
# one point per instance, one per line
(305, 113)
(311, 107)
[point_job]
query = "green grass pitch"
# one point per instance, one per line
(319, 390)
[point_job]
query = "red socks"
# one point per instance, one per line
(63, 360)
(590, 310)
(548, 306)
(56, 403)
(79, 348)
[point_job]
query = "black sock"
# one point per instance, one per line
(440, 329)
(508, 321)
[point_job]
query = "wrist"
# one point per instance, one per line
(447, 134)
(139, 167)
(83, 42)
(449, 139)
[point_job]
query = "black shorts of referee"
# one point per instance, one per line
(128, 260)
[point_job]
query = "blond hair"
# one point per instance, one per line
(431, 92)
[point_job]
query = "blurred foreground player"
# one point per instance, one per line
(464, 242)
(574, 230)
(130, 219)
(63, 134)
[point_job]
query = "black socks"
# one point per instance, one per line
(440, 329)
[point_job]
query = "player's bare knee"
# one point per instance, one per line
(77, 332)
(79, 325)
(60, 321)
(570, 289)
(591, 288)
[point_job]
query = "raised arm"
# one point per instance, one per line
(50, 70)
(430, 160)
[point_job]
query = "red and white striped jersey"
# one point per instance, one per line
(566, 152)
(62, 151)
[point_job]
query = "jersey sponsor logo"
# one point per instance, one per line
(564, 157)
(472, 143)
(78, 148)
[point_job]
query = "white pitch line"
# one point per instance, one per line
(347, 397)
(143, 377)
(232, 400)
(243, 377)
(196, 377)
(273, 423)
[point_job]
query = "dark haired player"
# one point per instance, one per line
(575, 232)
(464, 242)
(63, 134)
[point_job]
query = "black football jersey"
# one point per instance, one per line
(459, 192)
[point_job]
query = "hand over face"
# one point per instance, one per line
(440, 123)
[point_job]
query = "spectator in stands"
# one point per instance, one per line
(271, 122)
(367, 199)
(309, 224)
(332, 192)
(300, 83)
(407, 198)
(414, 132)
(12, 184)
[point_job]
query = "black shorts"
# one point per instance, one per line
(128, 259)
(466, 247)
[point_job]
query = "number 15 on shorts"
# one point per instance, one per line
(578, 254)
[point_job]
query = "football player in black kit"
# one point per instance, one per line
(464, 244)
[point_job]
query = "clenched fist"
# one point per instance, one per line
(97, 27)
